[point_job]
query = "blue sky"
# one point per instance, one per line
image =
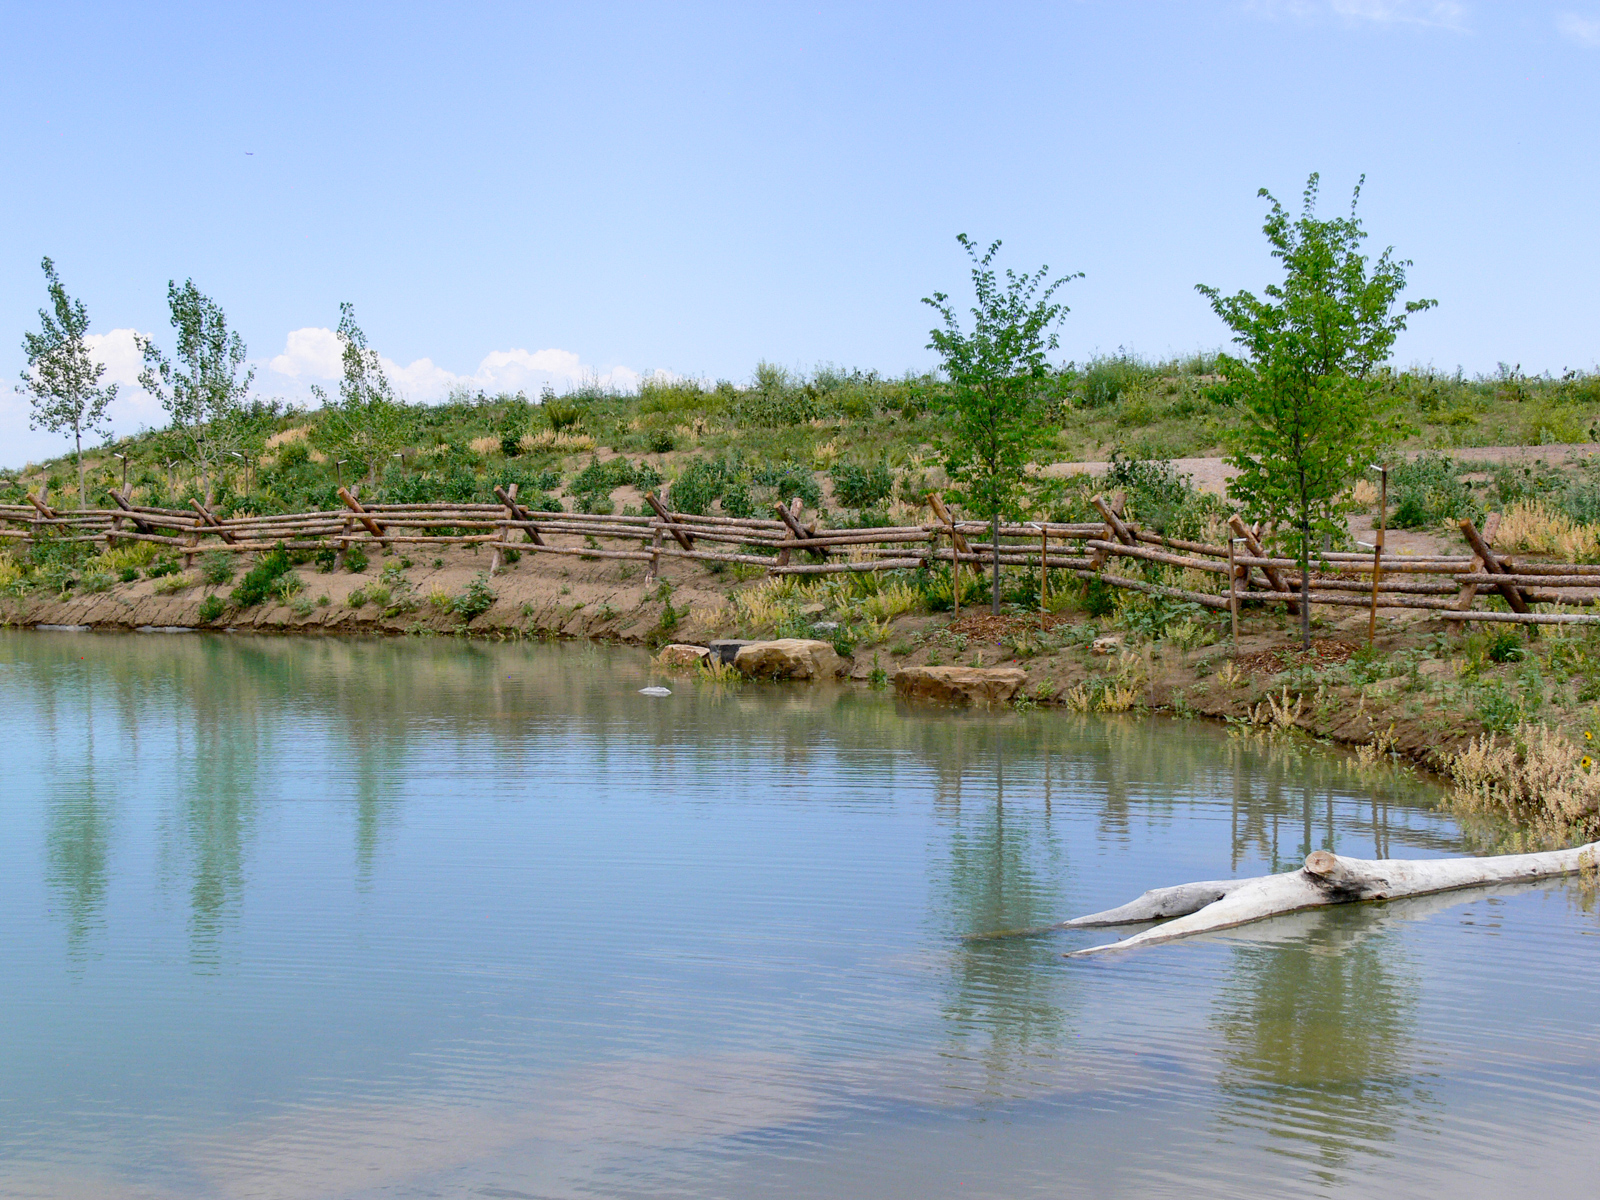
(513, 194)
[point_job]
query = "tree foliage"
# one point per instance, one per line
(62, 380)
(368, 424)
(1306, 385)
(999, 375)
(204, 392)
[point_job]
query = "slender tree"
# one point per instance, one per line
(62, 380)
(367, 424)
(203, 394)
(1308, 383)
(998, 372)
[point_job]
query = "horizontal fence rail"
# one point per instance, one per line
(1241, 573)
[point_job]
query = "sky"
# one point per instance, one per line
(520, 194)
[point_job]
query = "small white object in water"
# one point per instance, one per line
(655, 691)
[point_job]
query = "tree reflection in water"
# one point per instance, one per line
(1003, 871)
(1317, 1024)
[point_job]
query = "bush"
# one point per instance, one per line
(1428, 490)
(355, 560)
(662, 441)
(476, 600)
(258, 581)
(859, 487)
(562, 414)
(211, 608)
(700, 485)
(216, 568)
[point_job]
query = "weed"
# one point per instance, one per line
(476, 600)
(355, 560)
(356, 599)
(171, 585)
(211, 608)
(216, 568)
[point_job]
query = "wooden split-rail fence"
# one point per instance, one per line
(1450, 585)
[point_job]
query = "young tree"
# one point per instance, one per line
(204, 398)
(1307, 386)
(997, 376)
(367, 424)
(62, 380)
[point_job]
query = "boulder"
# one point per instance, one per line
(680, 654)
(960, 685)
(790, 658)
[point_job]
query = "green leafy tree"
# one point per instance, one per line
(62, 380)
(1308, 386)
(204, 391)
(996, 414)
(367, 425)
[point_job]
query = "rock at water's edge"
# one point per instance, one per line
(790, 658)
(960, 685)
(681, 654)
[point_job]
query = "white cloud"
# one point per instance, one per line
(310, 353)
(313, 355)
(1583, 30)
(310, 356)
(1440, 14)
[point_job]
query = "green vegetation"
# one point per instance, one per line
(994, 411)
(1312, 411)
(259, 580)
(62, 380)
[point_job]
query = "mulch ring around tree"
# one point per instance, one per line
(985, 626)
(1324, 652)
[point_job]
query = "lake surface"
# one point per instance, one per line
(318, 918)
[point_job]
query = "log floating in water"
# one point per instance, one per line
(1325, 879)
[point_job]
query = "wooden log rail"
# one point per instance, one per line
(1449, 584)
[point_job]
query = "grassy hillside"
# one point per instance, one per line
(844, 440)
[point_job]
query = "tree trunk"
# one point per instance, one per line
(1325, 879)
(994, 541)
(83, 488)
(1305, 586)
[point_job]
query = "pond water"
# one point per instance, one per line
(318, 918)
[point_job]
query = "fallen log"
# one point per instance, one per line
(1325, 879)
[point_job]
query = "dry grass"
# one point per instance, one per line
(549, 439)
(1536, 529)
(764, 605)
(825, 455)
(1539, 780)
(1365, 495)
(484, 445)
(298, 434)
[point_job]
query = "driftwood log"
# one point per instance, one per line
(1325, 879)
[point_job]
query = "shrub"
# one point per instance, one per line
(562, 414)
(216, 568)
(355, 560)
(258, 581)
(162, 566)
(700, 485)
(1429, 490)
(211, 608)
(860, 487)
(356, 599)
(1540, 780)
(476, 600)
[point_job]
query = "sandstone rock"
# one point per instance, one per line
(790, 658)
(1107, 645)
(680, 654)
(960, 685)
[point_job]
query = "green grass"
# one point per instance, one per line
(783, 433)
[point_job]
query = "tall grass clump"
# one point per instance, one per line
(1537, 779)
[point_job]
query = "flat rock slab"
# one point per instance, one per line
(790, 658)
(960, 685)
(681, 654)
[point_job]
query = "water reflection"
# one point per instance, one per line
(1318, 1022)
